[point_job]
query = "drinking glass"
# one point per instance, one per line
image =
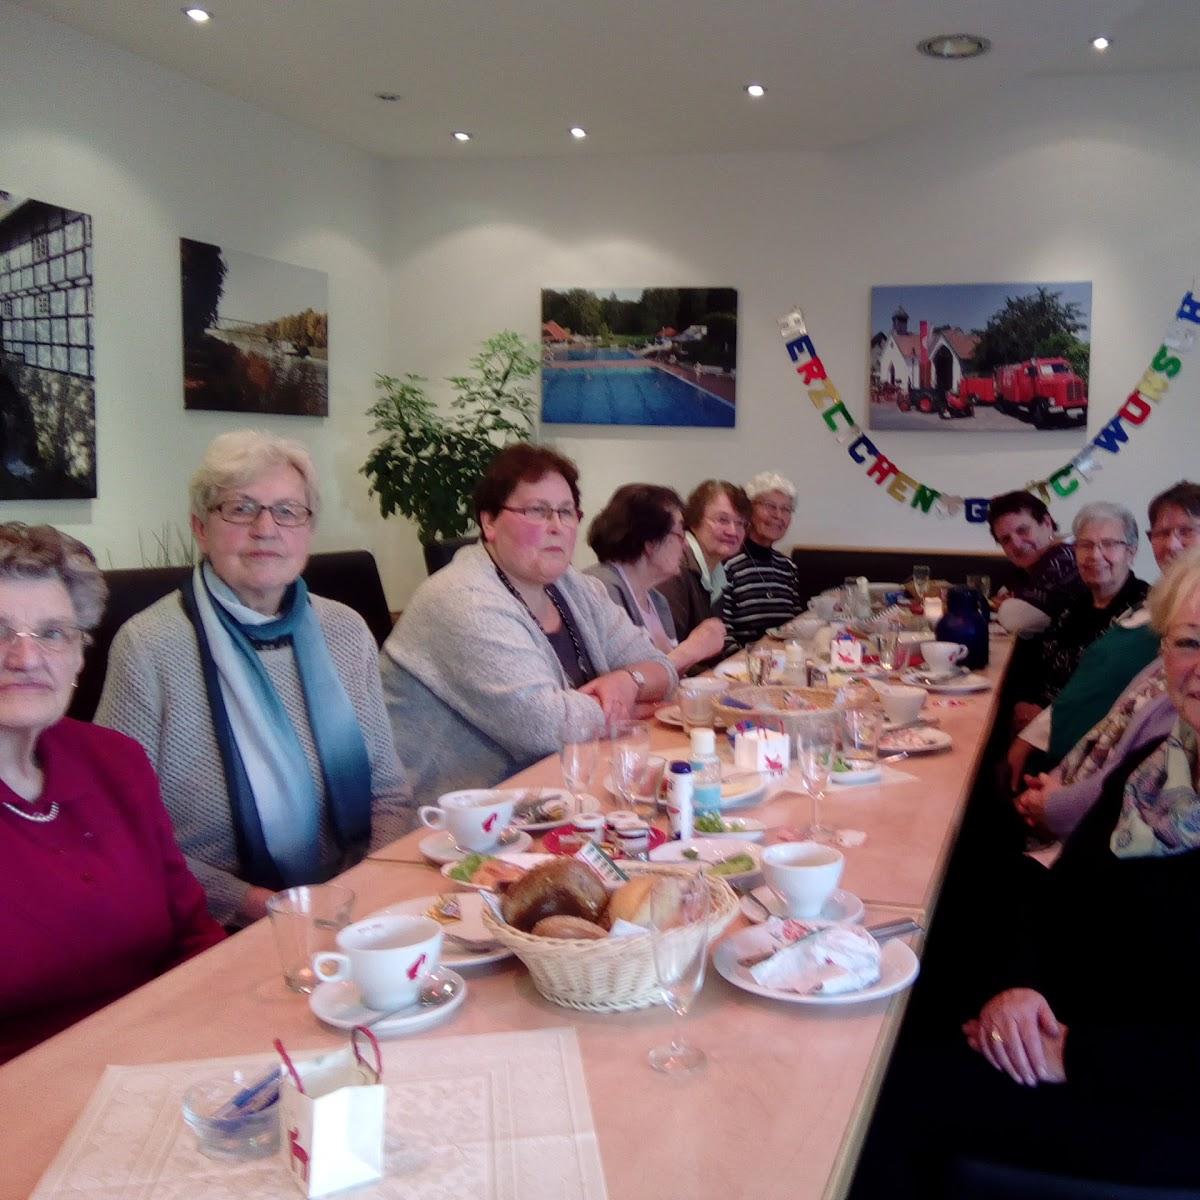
(982, 584)
(887, 640)
(816, 745)
(696, 698)
(647, 785)
(920, 581)
(760, 665)
(629, 745)
(679, 940)
(306, 920)
(861, 728)
(578, 761)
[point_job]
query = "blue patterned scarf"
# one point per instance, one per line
(272, 794)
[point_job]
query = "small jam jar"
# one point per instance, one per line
(589, 826)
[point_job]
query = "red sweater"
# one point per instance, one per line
(96, 902)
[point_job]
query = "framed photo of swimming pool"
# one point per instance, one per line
(980, 357)
(639, 356)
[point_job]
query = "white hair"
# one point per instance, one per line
(238, 458)
(1102, 510)
(770, 481)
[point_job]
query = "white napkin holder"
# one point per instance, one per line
(764, 750)
(333, 1118)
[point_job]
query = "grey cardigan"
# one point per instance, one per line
(474, 689)
(618, 589)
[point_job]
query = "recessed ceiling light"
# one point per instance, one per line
(955, 45)
(1100, 43)
(578, 132)
(199, 15)
(460, 135)
(755, 90)
(387, 97)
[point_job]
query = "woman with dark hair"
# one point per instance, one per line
(638, 538)
(1023, 528)
(95, 897)
(508, 651)
(716, 517)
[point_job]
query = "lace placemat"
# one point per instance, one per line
(499, 1116)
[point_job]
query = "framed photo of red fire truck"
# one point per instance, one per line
(980, 357)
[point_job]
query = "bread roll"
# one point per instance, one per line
(568, 927)
(562, 888)
(631, 901)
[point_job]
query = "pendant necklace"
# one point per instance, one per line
(37, 818)
(581, 659)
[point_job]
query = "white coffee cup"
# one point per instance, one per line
(474, 818)
(389, 956)
(902, 704)
(802, 874)
(941, 656)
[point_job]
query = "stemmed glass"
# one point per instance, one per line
(630, 753)
(679, 940)
(578, 761)
(816, 745)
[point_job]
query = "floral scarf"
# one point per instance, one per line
(1160, 812)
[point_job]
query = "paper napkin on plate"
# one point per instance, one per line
(837, 958)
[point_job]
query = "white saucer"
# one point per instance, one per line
(440, 847)
(914, 739)
(849, 778)
(842, 908)
(962, 685)
(544, 794)
(711, 850)
(470, 926)
(898, 967)
(338, 1004)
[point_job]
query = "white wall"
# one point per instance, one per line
(154, 156)
(1055, 180)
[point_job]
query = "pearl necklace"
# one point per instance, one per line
(37, 818)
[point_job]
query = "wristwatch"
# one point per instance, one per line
(637, 676)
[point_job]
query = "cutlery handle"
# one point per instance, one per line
(891, 929)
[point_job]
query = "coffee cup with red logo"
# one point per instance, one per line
(474, 818)
(389, 956)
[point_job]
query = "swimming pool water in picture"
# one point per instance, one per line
(639, 356)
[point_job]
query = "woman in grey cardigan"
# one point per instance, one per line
(508, 651)
(638, 537)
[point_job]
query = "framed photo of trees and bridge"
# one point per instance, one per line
(980, 357)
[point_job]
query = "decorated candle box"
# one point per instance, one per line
(762, 750)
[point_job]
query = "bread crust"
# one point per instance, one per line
(562, 888)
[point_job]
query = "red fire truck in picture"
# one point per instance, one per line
(1036, 390)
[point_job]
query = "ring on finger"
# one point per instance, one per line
(996, 1036)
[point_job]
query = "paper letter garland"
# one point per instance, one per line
(904, 489)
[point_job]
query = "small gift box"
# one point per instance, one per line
(332, 1112)
(765, 750)
(846, 653)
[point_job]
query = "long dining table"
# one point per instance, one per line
(781, 1106)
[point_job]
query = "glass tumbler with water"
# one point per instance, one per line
(306, 921)
(697, 698)
(887, 642)
(629, 743)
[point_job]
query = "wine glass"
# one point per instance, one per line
(679, 940)
(578, 761)
(629, 743)
(816, 744)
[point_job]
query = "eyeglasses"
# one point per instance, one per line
(50, 640)
(1104, 545)
(776, 510)
(244, 511)
(567, 514)
(1185, 533)
(727, 522)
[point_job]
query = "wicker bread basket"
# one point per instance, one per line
(610, 974)
(774, 702)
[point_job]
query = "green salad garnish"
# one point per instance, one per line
(739, 864)
(466, 867)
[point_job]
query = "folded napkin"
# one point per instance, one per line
(837, 958)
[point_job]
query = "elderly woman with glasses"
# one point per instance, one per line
(716, 517)
(508, 652)
(259, 705)
(1081, 1048)
(638, 538)
(762, 588)
(95, 897)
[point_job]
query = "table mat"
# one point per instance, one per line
(498, 1116)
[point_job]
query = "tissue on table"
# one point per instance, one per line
(838, 958)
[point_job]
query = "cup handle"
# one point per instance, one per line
(339, 962)
(431, 816)
(960, 653)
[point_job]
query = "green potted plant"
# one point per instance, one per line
(428, 463)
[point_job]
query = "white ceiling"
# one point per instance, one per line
(640, 75)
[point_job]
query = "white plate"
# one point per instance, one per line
(750, 831)
(710, 850)
(733, 670)
(669, 714)
(898, 967)
(917, 677)
(339, 1005)
(545, 794)
(842, 908)
(865, 775)
(440, 848)
(962, 685)
(471, 926)
(518, 860)
(915, 739)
